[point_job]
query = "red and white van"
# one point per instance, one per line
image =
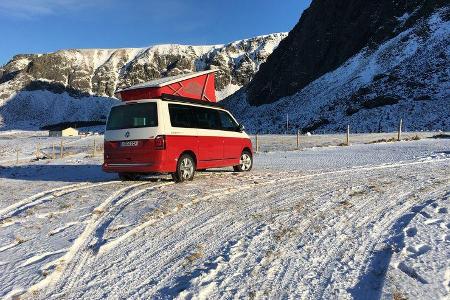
(175, 135)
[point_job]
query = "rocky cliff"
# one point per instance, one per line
(329, 33)
(69, 78)
(363, 63)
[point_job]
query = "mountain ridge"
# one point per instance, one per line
(97, 73)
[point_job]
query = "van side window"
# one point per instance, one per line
(181, 116)
(207, 118)
(227, 121)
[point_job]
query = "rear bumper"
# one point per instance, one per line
(134, 168)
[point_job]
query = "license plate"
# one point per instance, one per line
(129, 144)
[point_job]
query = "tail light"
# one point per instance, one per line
(160, 142)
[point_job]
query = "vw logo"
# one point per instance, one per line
(127, 134)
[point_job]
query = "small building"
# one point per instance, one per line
(63, 132)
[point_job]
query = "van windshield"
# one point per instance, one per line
(132, 116)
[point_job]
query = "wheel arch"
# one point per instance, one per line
(191, 153)
(247, 149)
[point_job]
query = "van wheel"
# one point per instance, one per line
(128, 176)
(185, 168)
(245, 162)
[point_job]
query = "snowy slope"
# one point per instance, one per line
(406, 77)
(75, 76)
(334, 223)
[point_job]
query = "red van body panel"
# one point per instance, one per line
(209, 152)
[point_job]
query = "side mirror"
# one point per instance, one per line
(241, 128)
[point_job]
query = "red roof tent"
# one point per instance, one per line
(197, 85)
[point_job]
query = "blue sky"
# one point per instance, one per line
(38, 26)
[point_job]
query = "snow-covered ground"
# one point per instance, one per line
(364, 222)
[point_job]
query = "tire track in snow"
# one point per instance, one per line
(384, 238)
(261, 265)
(339, 239)
(336, 235)
(302, 177)
(70, 264)
(222, 193)
(315, 176)
(198, 228)
(278, 269)
(45, 196)
(233, 233)
(309, 222)
(294, 262)
(114, 243)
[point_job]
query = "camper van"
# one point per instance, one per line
(173, 134)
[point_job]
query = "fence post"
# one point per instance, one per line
(257, 143)
(61, 149)
(399, 136)
(348, 136)
(287, 123)
(93, 151)
(298, 139)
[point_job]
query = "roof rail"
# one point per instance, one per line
(174, 98)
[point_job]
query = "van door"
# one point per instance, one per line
(183, 133)
(232, 145)
(210, 141)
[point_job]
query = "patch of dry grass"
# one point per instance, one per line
(6, 221)
(346, 204)
(20, 240)
(357, 193)
(390, 140)
(397, 295)
(413, 138)
(195, 255)
(65, 205)
(441, 136)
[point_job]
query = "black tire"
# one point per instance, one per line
(185, 169)
(246, 162)
(128, 176)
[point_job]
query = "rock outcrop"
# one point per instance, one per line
(360, 63)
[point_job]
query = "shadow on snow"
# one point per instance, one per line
(370, 285)
(50, 172)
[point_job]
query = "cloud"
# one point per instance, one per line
(30, 9)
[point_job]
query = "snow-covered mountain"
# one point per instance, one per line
(364, 64)
(74, 85)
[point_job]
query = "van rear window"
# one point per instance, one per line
(132, 116)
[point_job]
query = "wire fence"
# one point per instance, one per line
(289, 142)
(58, 148)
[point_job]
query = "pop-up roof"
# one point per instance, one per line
(197, 85)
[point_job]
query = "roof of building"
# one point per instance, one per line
(160, 82)
(62, 128)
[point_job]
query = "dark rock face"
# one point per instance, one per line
(401, 74)
(330, 32)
